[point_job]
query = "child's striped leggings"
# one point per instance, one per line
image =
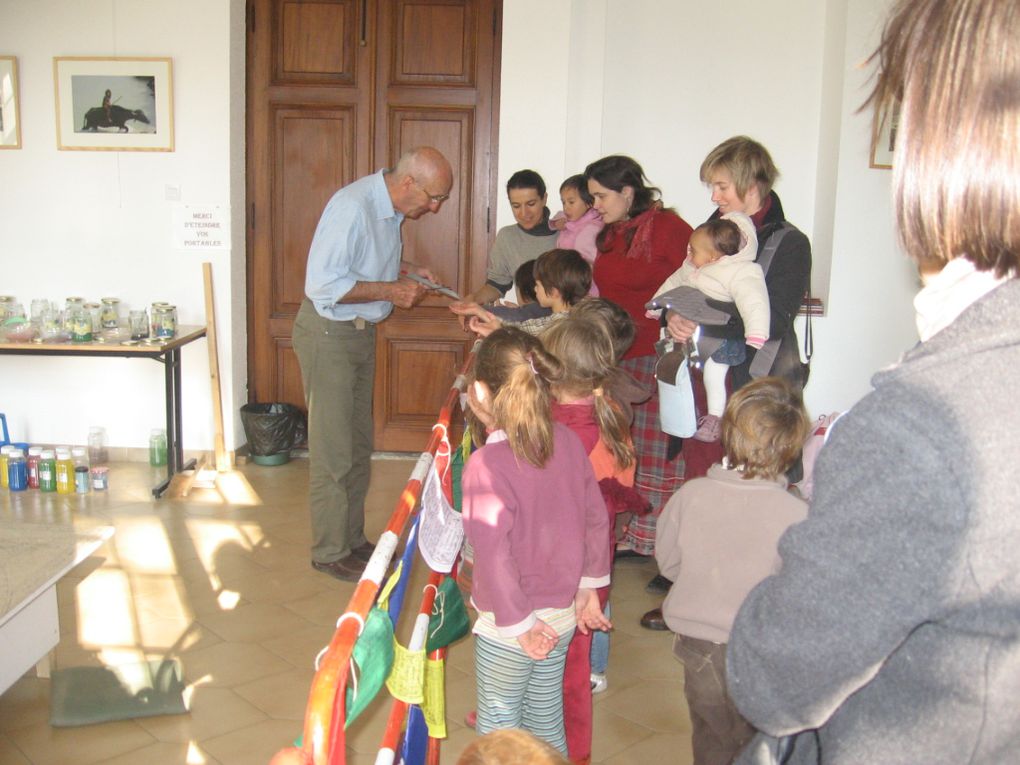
(516, 691)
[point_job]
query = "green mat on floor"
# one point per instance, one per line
(87, 695)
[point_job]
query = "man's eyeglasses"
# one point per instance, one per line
(434, 198)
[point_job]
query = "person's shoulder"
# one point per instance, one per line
(567, 443)
(669, 219)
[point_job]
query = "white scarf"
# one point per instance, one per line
(948, 293)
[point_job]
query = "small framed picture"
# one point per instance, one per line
(10, 126)
(114, 104)
(883, 142)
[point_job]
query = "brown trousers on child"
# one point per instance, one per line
(719, 732)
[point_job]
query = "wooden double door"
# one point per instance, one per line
(336, 90)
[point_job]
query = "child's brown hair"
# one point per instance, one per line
(724, 234)
(566, 271)
(764, 427)
(518, 371)
(524, 282)
(585, 350)
(616, 321)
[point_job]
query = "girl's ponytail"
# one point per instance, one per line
(614, 429)
(518, 372)
(586, 350)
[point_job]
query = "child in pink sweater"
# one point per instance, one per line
(535, 518)
(578, 224)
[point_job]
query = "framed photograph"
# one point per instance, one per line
(883, 143)
(114, 104)
(10, 126)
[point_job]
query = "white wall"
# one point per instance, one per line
(665, 83)
(97, 223)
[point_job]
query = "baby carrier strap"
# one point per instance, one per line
(765, 357)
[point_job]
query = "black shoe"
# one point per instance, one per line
(632, 556)
(363, 552)
(654, 620)
(658, 585)
(347, 569)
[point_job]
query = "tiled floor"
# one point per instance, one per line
(222, 581)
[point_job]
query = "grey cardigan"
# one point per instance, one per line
(892, 632)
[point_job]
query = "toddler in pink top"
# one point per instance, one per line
(578, 224)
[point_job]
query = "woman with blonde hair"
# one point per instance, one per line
(892, 632)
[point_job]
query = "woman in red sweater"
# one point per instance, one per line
(641, 245)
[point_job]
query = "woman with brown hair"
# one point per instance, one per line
(641, 245)
(892, 632)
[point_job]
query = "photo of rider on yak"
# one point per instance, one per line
(128, 112)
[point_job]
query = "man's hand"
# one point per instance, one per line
(538, 641)
(414, 268)
(405, 293)
(679, 328)
(589, 612)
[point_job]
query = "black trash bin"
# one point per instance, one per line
(271, 430)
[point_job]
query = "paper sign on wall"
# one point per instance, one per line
(201, 227)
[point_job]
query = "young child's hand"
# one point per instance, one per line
(538, 641)
(589, 612)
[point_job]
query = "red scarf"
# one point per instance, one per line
(637, 233)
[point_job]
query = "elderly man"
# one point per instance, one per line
(352, 282)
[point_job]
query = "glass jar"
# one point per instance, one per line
(39, 309)
(96, 315)
(81, 326)
(97, 446)
(153, 317)
(157, 447)
(6, 301)
(110, 315)
(100, 478)
(165, 321)
(138, 323)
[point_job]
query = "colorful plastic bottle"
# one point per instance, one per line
(81, 470)
(5, 452)
(33, 466)
(47, 471)
(65, 472)
(17, 470)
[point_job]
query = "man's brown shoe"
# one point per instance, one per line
(347, 569)
(653, 620)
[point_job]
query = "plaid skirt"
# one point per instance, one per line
(657, 479)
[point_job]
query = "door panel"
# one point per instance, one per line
(310, 89)
(418, 355)
(437, 74)
(316, 42)
(452, 62)
(337, 89)
(439, 241)
(311, 152)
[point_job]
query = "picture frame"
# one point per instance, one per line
(883, 142)
(10, 118)
(114, 104)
